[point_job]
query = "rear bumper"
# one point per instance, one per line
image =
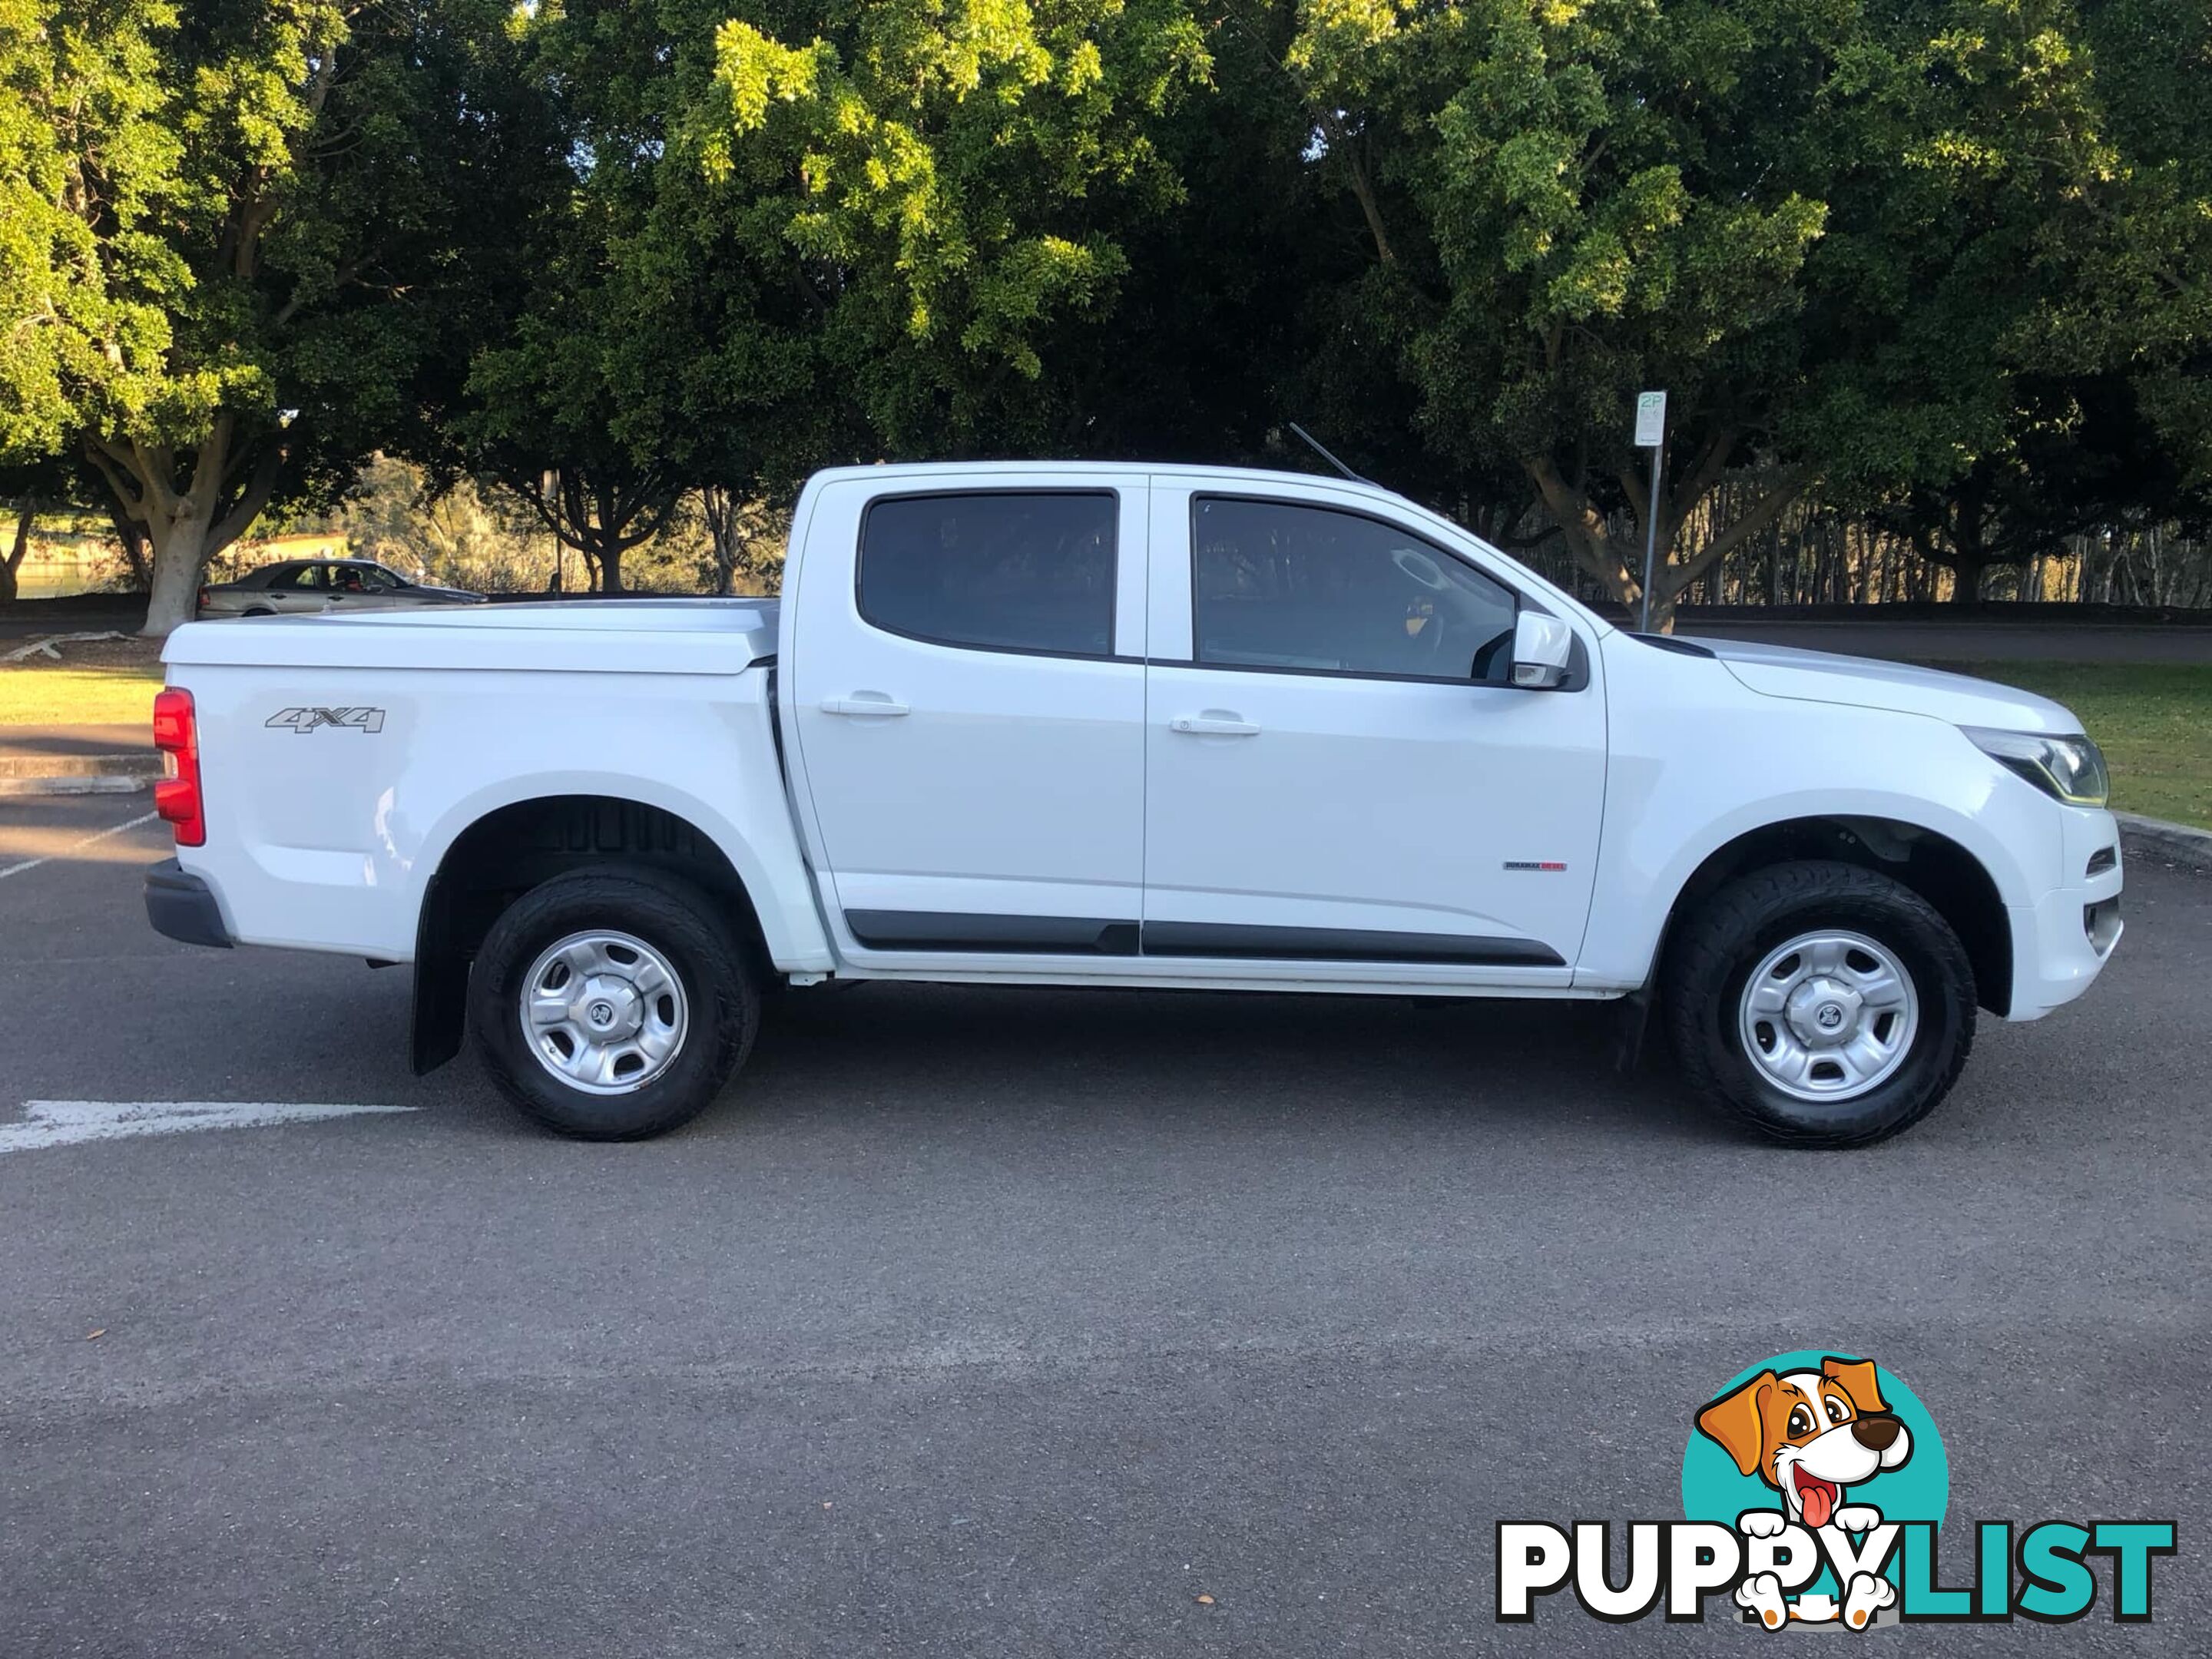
(181, 906)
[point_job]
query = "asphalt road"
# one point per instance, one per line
(1014, 1323)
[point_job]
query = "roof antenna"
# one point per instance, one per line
(1315, 445)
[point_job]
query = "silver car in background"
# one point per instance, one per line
(337, 585)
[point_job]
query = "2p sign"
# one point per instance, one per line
(1650, 419)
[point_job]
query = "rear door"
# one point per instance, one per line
(967, 688)
(1338, 770)
(297, 588)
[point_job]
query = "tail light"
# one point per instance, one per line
(177, 795)
(204, 597)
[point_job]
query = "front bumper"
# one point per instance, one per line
(181, 906)
(2063, 941)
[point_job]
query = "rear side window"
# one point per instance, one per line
(301, 575)
(1030, 570)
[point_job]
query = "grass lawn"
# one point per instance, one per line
(61, 696)
(2154, 721)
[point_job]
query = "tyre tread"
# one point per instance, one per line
(1705, 953)
(618, 889)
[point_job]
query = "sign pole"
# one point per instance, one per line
(1650, 434)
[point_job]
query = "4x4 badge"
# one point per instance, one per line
(304, 720)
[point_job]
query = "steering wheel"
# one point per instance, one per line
(1487, 654)
(1420, 566)
(1425, 572)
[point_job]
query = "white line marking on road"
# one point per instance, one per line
(67, 1123)
(98, 834)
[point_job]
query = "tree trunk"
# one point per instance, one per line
(130, 536)
(18, 551)
(1590, 542)
(1618, 562)
(601, 516)
(1673, 578)
(187, 527)
(1966, 570)
(720, 508)
(180, 555)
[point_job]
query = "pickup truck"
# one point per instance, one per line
(1132, 725)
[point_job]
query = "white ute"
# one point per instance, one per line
(1129, 726)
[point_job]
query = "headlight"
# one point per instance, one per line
(2071, 769)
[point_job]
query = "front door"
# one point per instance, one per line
(968, 694)
(1337, 768)
(359, 587)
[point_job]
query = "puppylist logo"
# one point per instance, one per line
(1814, 1487)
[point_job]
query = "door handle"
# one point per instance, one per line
(863, 702)
(1213, 726)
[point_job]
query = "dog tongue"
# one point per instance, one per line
(1819, 1503)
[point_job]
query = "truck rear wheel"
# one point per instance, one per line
(1823, 1004)
(611, 1003)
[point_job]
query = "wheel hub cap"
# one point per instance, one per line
(1823, 1012)
(1828, 1016)
(603, 1011)
(611, 1006)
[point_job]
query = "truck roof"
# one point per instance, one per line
(1242, 477)
(1068, 474)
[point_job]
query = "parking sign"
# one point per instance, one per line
(1650, 419)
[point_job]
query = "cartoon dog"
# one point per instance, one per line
(1809, 1435)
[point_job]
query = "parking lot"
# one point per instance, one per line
(1016, 1321)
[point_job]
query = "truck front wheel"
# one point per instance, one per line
(611, 1003)
(1824, 1003)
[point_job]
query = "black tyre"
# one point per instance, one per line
(612, 1003)
(1823, 1004)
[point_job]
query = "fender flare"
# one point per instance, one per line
(438, 1015)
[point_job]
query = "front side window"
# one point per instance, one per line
(1012, 571)
(1281, 585)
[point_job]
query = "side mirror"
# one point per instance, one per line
(1542, 647)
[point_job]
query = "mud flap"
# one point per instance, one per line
(441, 987)
(1633, 1016)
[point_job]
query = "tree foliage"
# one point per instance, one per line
(226, 222)
(812, 233)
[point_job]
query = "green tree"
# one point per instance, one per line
(652, 342)
(26, 490)
(2141, 212)
(1568, 204)
(809, 234)
(1824, 227)
(947, 181)
(225, 228)
(2045, 374)
(1223, 325)
(2076, 455)
(546, 425)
